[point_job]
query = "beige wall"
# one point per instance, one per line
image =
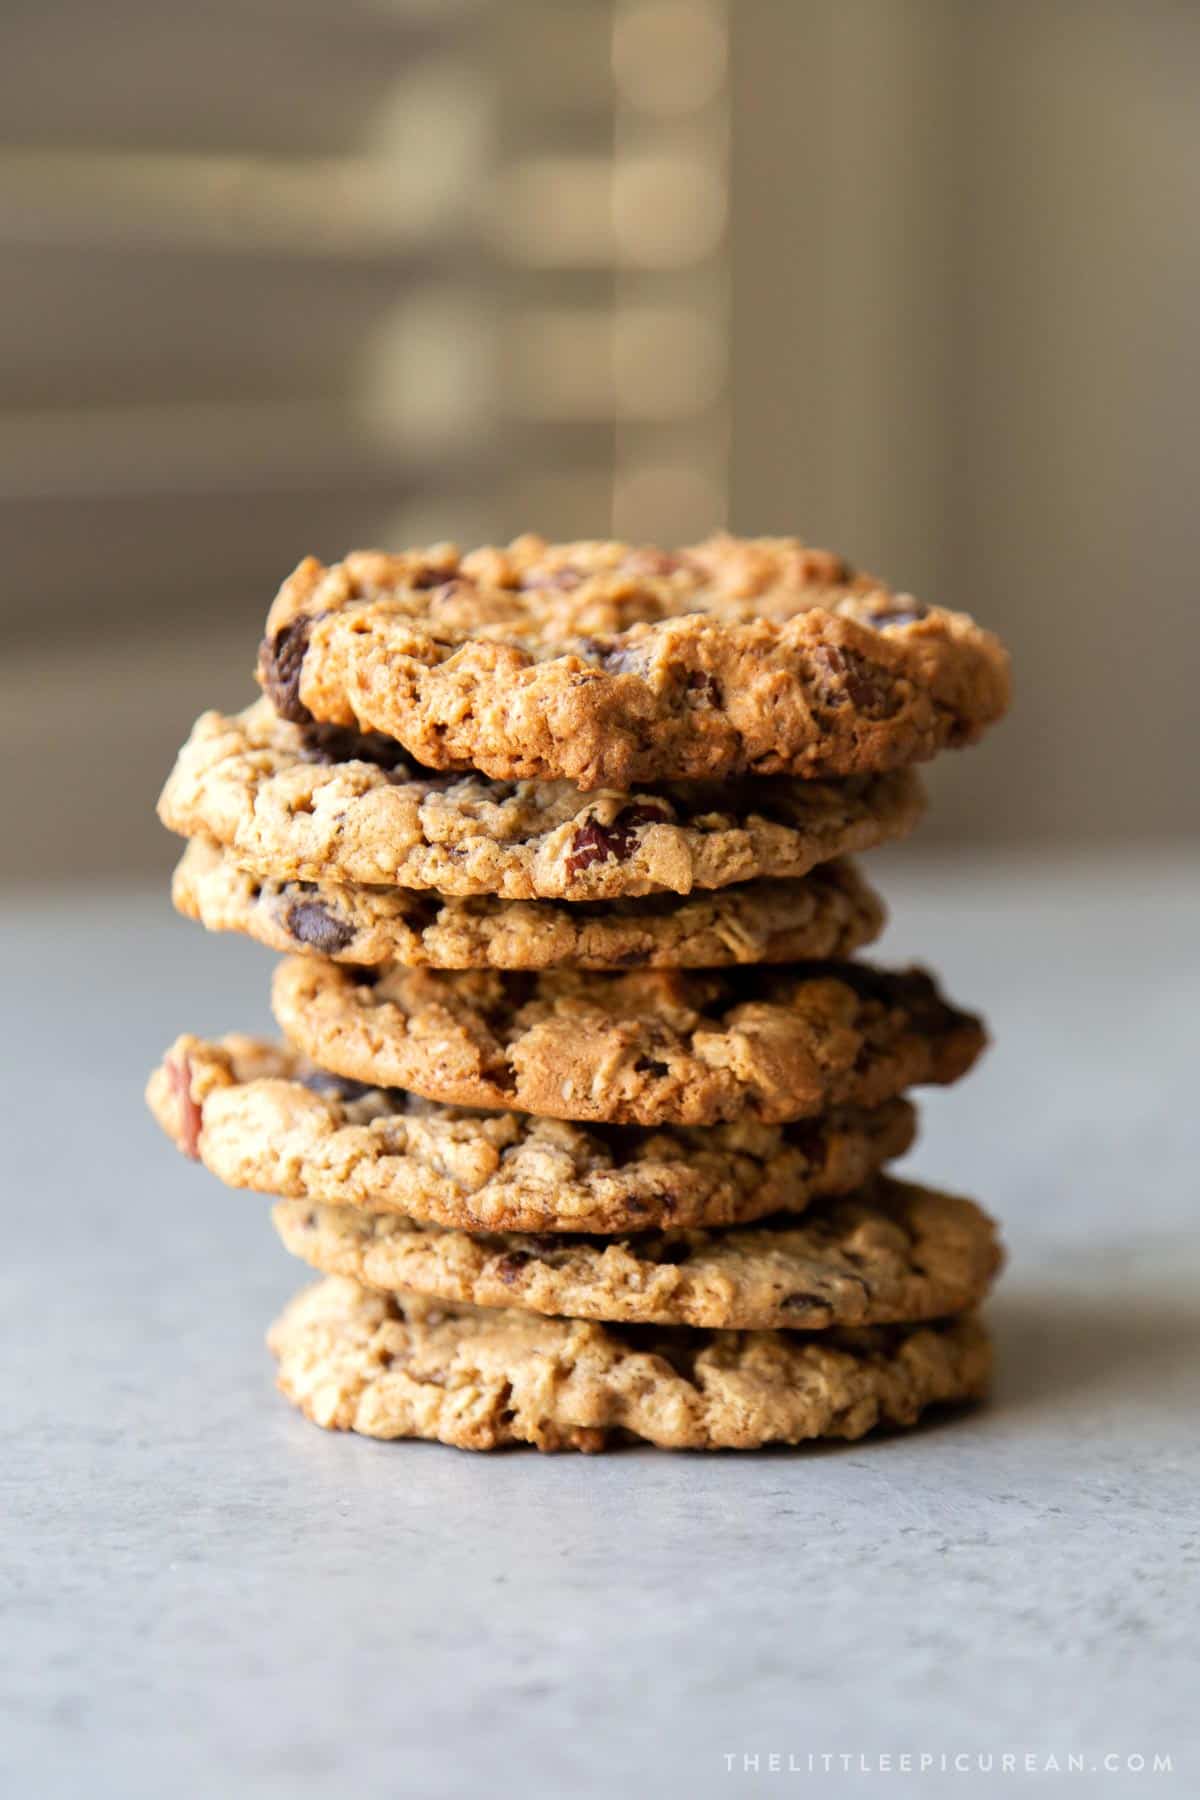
(967, 288)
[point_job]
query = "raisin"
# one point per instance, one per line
(594, 842)
(647, 1065)
(310, 923)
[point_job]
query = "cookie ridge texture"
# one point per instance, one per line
(322, 804)
(829, 913)
(396, 1366)
(681, 1046)
(606, 663)
(894, 1253)
(260, 1117)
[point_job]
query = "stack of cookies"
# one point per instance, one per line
(585, 1095)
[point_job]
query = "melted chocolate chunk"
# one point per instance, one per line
(281, 664)
(311, 923)
(842, 675)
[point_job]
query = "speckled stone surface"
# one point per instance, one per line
(205, 1595)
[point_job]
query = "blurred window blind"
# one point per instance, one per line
(289, 275)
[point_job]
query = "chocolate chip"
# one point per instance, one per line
(842, 674)
(280, 666)
(594, 842)
(311, 923)
(179, 1074)
(868, 690)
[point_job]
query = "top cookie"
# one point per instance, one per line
(605, 664)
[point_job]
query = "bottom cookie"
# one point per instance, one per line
(395, 1366)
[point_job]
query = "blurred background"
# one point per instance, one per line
(919, 279)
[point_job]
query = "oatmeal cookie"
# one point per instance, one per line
(261, 1117)
(893, 1253)
(397, 1366)
(321, 804)
(830, 913)
(605, 664)
(681, 1046)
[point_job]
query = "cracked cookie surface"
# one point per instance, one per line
(830, 913)
(321, 804)
(259, 1116)
(681, 1047)
(893, 1253)
(398, 1366)
(606, 664)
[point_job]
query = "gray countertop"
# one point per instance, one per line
(206, 1595)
